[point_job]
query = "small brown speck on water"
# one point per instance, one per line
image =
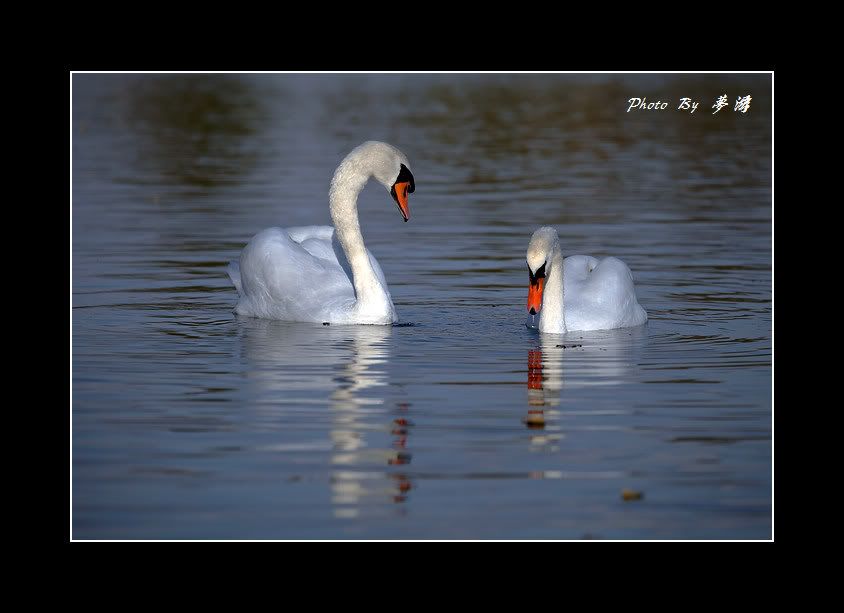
(629, 495)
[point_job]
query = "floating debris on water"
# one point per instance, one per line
(569, 346)
(631, 495)
(399, 458)
(326, 323)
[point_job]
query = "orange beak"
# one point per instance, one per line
(399, 194)
(534, 303)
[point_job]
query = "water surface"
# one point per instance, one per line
(191, 423)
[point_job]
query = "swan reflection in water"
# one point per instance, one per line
(576, 360)
(298, 369)
(545, 381)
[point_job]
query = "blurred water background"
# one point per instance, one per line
(191, 423)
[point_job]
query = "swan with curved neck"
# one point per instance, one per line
(322, 273)
(578, 292)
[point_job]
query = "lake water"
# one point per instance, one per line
(191, 423)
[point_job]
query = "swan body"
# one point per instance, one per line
(322, 273)
(579, 292)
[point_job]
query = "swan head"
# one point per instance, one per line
(539, 263)
(386, 164)
(401, 187)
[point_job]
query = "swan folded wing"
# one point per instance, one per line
(300, 234)
(316, 240)
(616, 286)
(579, 268)
(599, 294)
(283, 280)
(319, 241)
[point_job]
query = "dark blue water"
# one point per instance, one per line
(190, 423)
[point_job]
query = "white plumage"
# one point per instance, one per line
(579, 292)
(325, 273)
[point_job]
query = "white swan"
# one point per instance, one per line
(593, 295)
(324, 273)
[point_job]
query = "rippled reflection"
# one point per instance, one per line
(545, 381)
(570, 362)
(599, 357)
(341, 368)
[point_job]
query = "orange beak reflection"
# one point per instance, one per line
(534, 302)
(399, 194)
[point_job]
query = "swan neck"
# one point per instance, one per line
(346, 185)
(553, 308)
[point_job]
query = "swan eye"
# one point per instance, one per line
(540, 274)
(405, 176)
